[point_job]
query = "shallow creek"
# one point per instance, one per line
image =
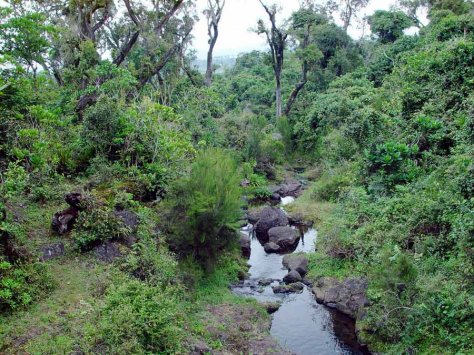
(301, 324)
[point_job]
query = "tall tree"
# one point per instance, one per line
(213, 14)
(276, 39)
(348, 9)
(303, 23)
(412, 9)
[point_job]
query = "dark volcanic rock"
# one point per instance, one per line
(107, 252)
(74, 199)
(266, 282)
(253, 217)
(272, 307)
(244, 242)
(292, 288)
(286, 238)
(63, 221)
(348, 296)
(271, 248)
(292, 277)
(52, 251)
(290, 188)
(129, 219)
(269, 217)
(296, 262)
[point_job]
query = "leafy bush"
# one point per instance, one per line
(207, 205)
(139, 318)
(20, 285)
(97, 223)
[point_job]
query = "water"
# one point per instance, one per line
(301, 324)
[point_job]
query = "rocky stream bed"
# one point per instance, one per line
(307, 318)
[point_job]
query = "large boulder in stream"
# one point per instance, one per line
(244, 242)
(296, 287)
(271, 248)
(292, 277)
(296, 262)
(286, 238)
(268, 218)
(348, 296)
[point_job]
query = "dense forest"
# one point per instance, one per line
(126, 173)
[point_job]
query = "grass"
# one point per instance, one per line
(310, 209)
(55, 324)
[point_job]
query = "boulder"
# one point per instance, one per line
(286, 238)
(265, 282)
(74, 199)
(52, 251)
(348, 296)
(253, 217)
(275, 197)
(291, 288)
(290, 188)
(63, 221)
(292, 277)
(129, 219)
(244, 242)
(296, 262)
(271, 248)
(269, 217)
(107, 252)
(272, 307)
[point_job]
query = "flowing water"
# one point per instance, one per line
(301, 324)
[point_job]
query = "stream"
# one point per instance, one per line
(301, 324)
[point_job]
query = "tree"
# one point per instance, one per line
(412, 8)
(303, 23)
(388, 26)
(349, 10)
(276, 39)
(213, 14)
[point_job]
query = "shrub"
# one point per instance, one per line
(97, 223)
(207, 205)
(139, 318)
(20, 285)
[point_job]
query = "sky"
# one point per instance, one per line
(240, 15)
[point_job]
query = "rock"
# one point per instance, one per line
(63, 221)
(107, 252)
(290, 188)
(348, 296)
(286, 238)
(52, 251)
(200, 348)
(253, 217)
(275, 197)
(74, 199)
(244, 242)
(296, 262)
(291, 288)
(271, 248)
(272, 307)
(297, 219)
(292, 277)
(129, 219)
(265, 282)
(245, 183)
(269, 217)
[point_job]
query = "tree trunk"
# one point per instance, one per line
(278, 97)
(208, 79)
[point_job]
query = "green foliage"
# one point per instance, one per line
(138, 318)
(97, 223)
(389, 25)
(20, 285)
(208, 205)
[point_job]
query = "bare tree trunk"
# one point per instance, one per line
(208, 79)
(213, 14)
(278, 98)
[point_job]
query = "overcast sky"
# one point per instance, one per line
(241, 15)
